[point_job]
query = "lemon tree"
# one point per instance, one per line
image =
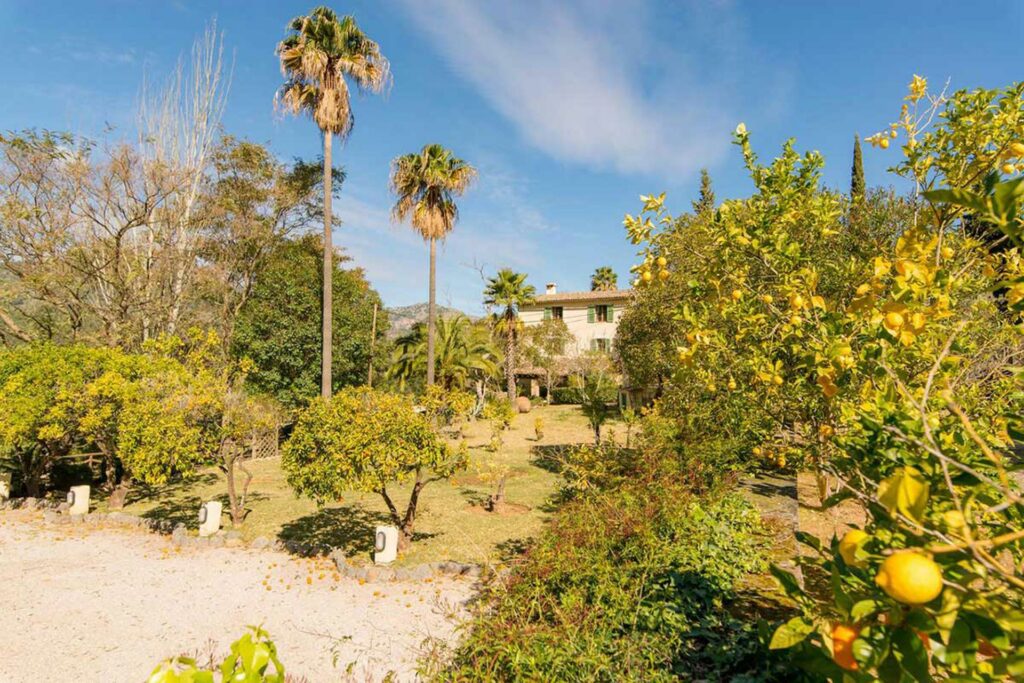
(880, 347)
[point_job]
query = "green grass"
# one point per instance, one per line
(451, 523)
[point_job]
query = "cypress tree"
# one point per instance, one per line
(706, 201)
(857, 173)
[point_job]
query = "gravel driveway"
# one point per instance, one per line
(90, 604)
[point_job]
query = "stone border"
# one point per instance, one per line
(55, 512)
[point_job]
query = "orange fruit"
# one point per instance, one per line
(843, 636)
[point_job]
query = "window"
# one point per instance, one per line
(603, 313)
(556, 312)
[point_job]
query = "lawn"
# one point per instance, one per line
(451, 523)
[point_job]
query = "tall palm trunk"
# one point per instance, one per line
(328, 298)
(510, 357)
(431, 313)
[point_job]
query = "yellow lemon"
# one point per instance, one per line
(826, 431)
(737, 294)
(947, 252)
(849, 544)
(767, 298)
(1009, 168)
(893, 320)
(954, 520)
(732, 385)
(910, 577)
(1017, 148)
(662, 261)
(884, 143)
(646, 276)
(663, 274)
(777, 379)
(795, 320)
(892, 133)
(843, 636)
(756, 450)
(796, 302)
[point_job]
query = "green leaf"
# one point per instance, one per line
(791, 633)
(863, 608)
(906, 492)
(788, 582)
(946, 617)
(910, 653)
(808, 540)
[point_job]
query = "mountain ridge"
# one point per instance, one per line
(404, 317)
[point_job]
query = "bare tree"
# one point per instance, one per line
(179, 128)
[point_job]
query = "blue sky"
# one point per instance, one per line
(570, 110)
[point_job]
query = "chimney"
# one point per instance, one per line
(551, 288)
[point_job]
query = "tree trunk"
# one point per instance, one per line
(597, 434)
(328, 295)
(510, 358)
(119, 495)
(497, 502)
(406, 530)
(236, 500)
(431, 313)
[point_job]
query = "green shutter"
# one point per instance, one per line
(590, 314)
(547, 313)
(593, 344)
(611, 313)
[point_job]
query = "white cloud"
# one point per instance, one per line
(611, 85)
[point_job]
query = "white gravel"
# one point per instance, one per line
(96, 604)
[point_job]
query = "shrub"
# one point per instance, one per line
(367, 440)
(39, 388)
(566, 396)
(630, 584)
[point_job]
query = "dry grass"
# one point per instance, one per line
(450, 523)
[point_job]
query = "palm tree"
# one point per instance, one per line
(464, 353)
(604, 279)
(425, 185)
(319, 53)
(509, 291)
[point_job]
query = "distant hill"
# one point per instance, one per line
(404, 317)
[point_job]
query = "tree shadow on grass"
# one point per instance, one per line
(178, 509)
(551, 458)
(474, 496)
(141, 492)
(512, 550)
(349, 528)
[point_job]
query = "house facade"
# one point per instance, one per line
(591, 317)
